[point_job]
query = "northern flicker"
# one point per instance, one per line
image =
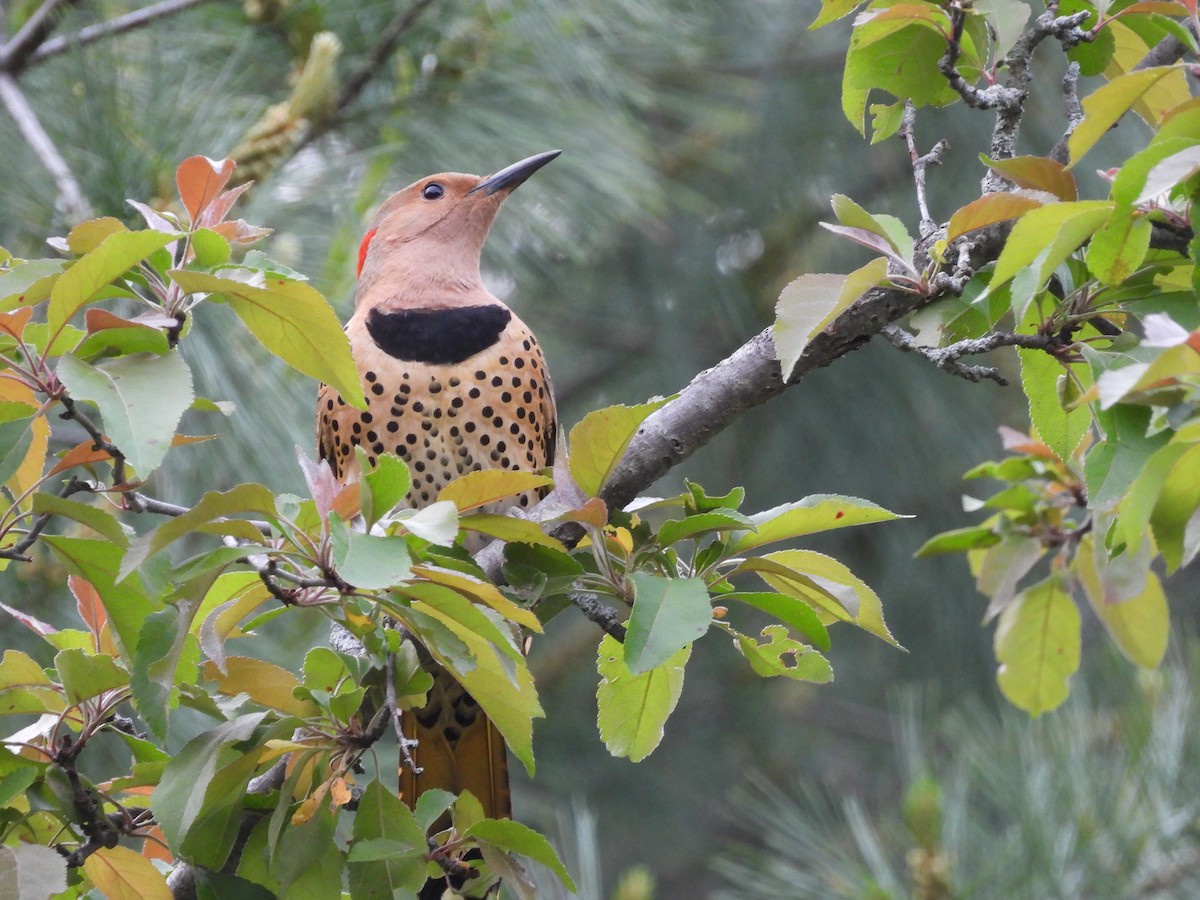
(455, 382)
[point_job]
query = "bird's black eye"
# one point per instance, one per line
(433, 191)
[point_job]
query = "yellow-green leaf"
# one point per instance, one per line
(93, 271)
(292, 320)
(1108, 103)
(633, 709)
(123, 874)
(1139, 625)
(598, 442)
(808, 304)
(264, 683)
(476, 489)
(1037, 646)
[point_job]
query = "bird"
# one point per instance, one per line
(455, 382)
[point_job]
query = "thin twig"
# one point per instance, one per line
(920, 163)
(15, 53)
(19, 551)
(71, 199)
(99, 441)
(118, 25)
(947, 358)
(406, 744)
(1074, 112)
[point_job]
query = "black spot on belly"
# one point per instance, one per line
(437, 336)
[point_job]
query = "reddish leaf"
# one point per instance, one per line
(219, 208)
(14, 323)
(200, 181)
(240, 232)
(594, 513)
(1038, 173)
(322, 485)
(91, 609)
(37, 626)
(96, 319)
(153, 218)
(83, 454)
(988, 210)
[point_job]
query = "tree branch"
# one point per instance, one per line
(920, 164)
(15, 53)
(71, 199)
(139, 18)
(947, 358)
(751, 376)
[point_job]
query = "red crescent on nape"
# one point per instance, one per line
(362, 250)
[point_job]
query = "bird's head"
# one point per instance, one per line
(424, 243)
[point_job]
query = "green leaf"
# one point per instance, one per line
(1041, 240)
(16, 437)
(1119, 246)
(633, 709)
(199, 802)
(1037, 645)
(789, 610)
(508, 529)
(721, 520)
(959, 540)
(832, 10)
(28, 282)
(212, 885)
(1139, 625)
(820, 512)
(382, 818)
(668, 615)
(598, 442)
(87, 236)
(208, 515)
(430, 806)
(211, 249)
(383, 485)
(811, 302)
(1061, 429)
(85, 675)
(1174, 517)
(1111, 466)
(502, 687)
(1108, 103)
(366, 560)
(84, 279)
(859, 604)
(165, 651)
(293, 321)
(458, 613)
(513, 837)
(97, 562)
(782, 655)
(141, 398)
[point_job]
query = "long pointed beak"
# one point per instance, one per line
(510, 177)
